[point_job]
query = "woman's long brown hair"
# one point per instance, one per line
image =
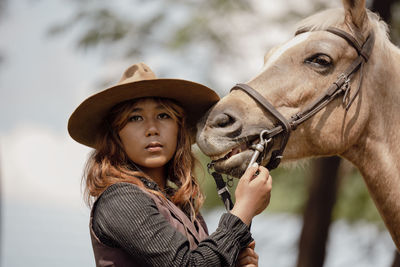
(109, 164)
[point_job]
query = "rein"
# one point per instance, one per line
(285, 126)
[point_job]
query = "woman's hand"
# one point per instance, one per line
(253, 193)
(247, 257)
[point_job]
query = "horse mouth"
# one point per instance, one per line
(235, 157)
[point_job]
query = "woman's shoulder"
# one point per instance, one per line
(121, 195)
(120, 187)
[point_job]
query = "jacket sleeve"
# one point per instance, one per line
(127, 218)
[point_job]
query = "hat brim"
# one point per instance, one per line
(86, 120)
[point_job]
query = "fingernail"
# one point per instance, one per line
(255, 164)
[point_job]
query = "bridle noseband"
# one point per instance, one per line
(341, 85)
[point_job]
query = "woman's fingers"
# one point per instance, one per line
(252, 193)
(250, 172)
(246, 257)
(252, 245)
(263, 173)
(246, 252)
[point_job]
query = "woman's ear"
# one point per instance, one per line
(355, 13)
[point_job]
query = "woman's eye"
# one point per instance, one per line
(163, 116)
(135, 118)
(319, 60)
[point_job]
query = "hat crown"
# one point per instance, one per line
(137, 72)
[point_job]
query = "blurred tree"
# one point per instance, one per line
(396, 262)
(318, 212)
(105, 24)
(1, 210)
(175, 25)
(383, 8)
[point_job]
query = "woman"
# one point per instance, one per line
(147, 201)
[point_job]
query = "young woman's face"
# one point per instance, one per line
(151, 134)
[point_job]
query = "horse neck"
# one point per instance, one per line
(377, 152)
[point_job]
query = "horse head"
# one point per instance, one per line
(295, 74)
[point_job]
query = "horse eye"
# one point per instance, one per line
(319, 60)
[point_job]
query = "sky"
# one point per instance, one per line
(42, 80)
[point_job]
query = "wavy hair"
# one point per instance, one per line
(108, 164)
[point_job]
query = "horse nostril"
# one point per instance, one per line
(223, 120)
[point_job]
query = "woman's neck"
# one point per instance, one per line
(157, 175)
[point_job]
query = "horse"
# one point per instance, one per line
(333, 89)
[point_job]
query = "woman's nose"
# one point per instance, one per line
(152, 129)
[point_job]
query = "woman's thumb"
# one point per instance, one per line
(250, 172)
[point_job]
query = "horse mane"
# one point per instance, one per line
(335, 17)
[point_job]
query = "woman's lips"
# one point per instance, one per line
(154, 147)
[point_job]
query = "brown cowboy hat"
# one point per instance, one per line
(138, 81)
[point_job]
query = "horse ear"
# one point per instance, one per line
(355, 12)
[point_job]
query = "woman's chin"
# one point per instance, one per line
(234, 166)
(154, 162)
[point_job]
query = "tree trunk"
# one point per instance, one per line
(318, 212)
(396, 262)
(383, 8)
(1, 212)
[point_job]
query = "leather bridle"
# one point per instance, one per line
(340, 86)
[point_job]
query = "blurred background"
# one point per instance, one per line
(55, 53)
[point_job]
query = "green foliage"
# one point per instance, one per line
(354, 202)
(206, 181)
(106, 26)
(101, 26)
(290, 192)
(289, 189)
